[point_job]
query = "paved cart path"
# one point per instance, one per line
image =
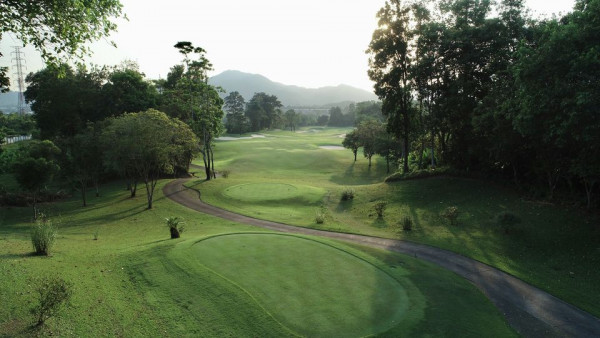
(529, 310)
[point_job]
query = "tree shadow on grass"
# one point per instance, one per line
(380, 223)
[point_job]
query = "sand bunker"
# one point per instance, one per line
(229, 138)
(332, 147)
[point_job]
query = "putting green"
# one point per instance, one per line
(312, 288)
(253, 192)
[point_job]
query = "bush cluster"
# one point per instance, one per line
(175, 226)
(406, 223)
(380, 208)
(53, 293)
(451, 214)
(320, 216)
(507, 220)
(347, 194)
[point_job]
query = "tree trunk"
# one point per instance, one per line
(174, 233)
(589, 187)
(552, 181)
(83, 191)
(387, 160)
(97, 188)
(355, 152)
(405, 154)
(133, 189)
(35, 213)
(432, 149)
(369, 161)
(212, 162)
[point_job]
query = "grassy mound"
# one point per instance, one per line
(254, 192)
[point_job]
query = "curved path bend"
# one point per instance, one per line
(529, 310)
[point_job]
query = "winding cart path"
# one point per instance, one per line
(529, 310)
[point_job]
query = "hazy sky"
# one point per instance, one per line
(310, 43)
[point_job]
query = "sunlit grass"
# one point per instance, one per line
(554, 248)
(130, 279)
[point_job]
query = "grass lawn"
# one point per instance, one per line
(554, 247)
(222, 279)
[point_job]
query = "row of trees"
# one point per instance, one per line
(66, 100)
(489, 89)
(137, 146)
(108, 121)
(263, 111)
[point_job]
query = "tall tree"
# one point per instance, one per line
(203, 100)
(84, 159)
(63, 104)
(352, 141)
(390, 66)
(291, 119)
(35, 166)
(127, 91)
(262, 111)
(368, 133)
(235, 105)
(148, 144)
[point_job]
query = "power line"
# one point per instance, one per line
(19, 59)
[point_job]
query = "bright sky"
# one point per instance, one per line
(309, 43)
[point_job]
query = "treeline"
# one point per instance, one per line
(483, 87)
(111, 121)
(264, 111)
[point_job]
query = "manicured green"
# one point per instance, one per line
(135, 281)
(340, 295)
(553, 247)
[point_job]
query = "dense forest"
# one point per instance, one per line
(482, 87)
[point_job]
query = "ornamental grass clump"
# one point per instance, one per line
(451, 214)
(43, 235)
(347, 194)
(380, 208)
(507, 220)
(320, 216)
(175, 226)
(406, 223)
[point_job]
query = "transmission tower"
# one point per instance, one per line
(19, 59)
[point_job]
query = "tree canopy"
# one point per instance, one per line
(59, 30)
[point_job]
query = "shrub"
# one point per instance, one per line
(380, 208)
(451, 214)
(320, 216)
(406, 223)
(95, 235)
(175, 226)
(506, 220)
(43, 235)
(53, 294)
(347, 194)
(225, 173)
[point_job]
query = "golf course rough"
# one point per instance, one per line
(311, 288)
(260, 192)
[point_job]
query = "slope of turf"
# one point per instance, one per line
(554, 248)
(314, 289)
(134, 281)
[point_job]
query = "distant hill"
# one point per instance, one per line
(248, 84)
(9, 102)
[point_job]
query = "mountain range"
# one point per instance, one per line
(249, 84)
